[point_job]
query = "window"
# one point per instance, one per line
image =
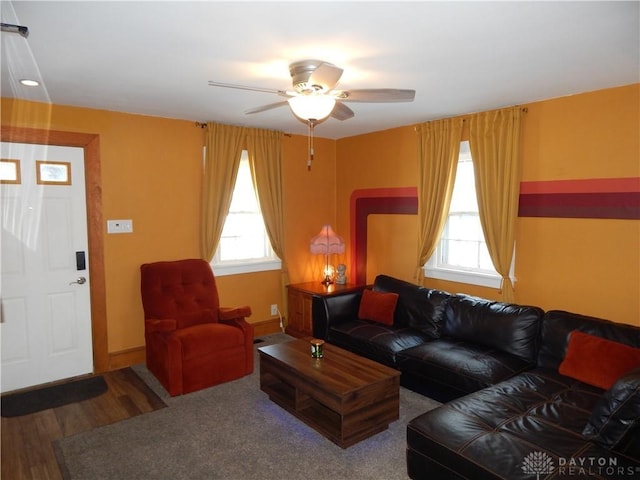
(244, 245)
(462, 255)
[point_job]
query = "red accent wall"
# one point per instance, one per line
(375, 201)
(591, 198)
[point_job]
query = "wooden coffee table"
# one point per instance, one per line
(343, 396)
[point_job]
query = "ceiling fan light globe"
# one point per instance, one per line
(312, 107)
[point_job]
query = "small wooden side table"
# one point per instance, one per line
(300, 299)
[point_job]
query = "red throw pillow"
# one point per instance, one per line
(597, 361)
(377, 306)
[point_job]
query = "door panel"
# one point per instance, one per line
(46, 317)
(17, 350)
(57, 212)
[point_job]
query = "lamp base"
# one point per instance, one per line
(327, 281)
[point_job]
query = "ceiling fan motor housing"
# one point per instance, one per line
(301, 72)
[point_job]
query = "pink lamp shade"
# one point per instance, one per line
(326, 242)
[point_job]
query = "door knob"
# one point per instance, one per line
(79, 280)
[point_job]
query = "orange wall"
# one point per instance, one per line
(588, 266)
(585, 265)
(378, 160)
(310, 202)
(151, 173)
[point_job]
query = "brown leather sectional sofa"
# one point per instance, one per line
(508, 413)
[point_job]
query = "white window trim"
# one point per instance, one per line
(431, 270)
(237, 267)
(484, 278)
(249, 266)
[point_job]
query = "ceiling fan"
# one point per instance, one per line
(313, 97)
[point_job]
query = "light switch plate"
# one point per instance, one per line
(119, 226)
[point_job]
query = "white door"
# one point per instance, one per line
(45, 324)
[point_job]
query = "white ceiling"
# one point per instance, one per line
(155, 58)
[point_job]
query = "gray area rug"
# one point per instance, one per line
(232, 431)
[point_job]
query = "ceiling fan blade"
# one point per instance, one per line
(244, 87)
(342, 112)
(264, 108)
(376, 95)
(326, 76)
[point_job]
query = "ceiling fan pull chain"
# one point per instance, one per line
(310, 143)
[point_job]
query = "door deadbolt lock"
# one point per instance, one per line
(79, 280)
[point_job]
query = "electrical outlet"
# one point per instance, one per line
(274, 309)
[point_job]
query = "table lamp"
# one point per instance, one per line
(327, 242)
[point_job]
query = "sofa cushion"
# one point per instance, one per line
(597, 361)
(458, 367)
(508, 327)
(374, 340)
(418, 307)
(558, 324)
(616, 416)
(377, 306)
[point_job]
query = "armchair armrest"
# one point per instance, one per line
(230, 313)
(241, 323)
(332, 310)
(235, 318)
(163, 325)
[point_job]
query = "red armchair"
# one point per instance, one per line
(191, 342)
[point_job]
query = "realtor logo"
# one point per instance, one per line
(540, 464)
(537, 463)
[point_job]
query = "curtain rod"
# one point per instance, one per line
(204, 125)
(464, 117)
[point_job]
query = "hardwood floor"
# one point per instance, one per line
(27, 450)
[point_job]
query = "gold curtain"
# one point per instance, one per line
(494, 139)
(438, 150)
(265, 159)
(224, 144)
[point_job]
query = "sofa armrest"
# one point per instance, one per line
(163, 325)
(615, 420)
(331, 310)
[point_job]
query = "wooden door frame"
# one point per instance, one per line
(93, 189)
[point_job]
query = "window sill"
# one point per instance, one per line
(460, 276)
(220, 270)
